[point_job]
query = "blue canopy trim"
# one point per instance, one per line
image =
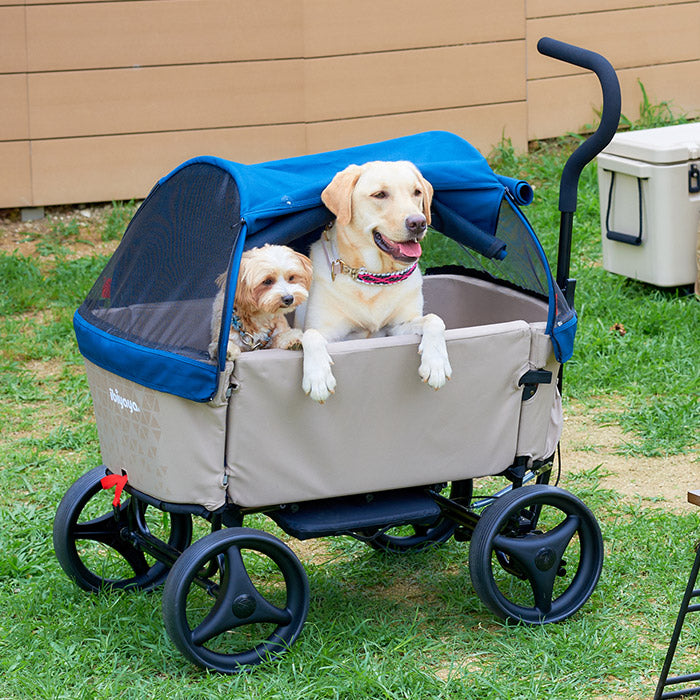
(155, 369)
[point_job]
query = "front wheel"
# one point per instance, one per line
(536, 555)
(234, 599)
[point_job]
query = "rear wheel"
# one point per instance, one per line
(536, 555)
(416, 538)
(93, 544)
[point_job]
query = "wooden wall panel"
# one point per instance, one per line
(409, 81)
(550, 8)
(627, 38)
(103, 168)
(14, 107)
(15, 174)
(334, 27)
(162, 32)
(85, 103)
(576, 97)
(13, 49)
(482, 126)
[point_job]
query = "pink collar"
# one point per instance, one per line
(361, 274)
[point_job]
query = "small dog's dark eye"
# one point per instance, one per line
(417, 193)
(268, 282)
(292, 278)
(380, 195)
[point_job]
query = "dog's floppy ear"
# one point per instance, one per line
(338, 195)
(244, 300)
(427, 189)
(306, 266)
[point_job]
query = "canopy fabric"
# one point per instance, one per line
(275, 189)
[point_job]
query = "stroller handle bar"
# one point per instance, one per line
(609, 118)
(589, 149)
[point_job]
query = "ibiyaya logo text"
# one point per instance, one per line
(130, 405)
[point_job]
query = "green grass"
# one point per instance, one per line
(379, 626)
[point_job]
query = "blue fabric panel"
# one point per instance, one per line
(563, 339)
(156, 369)
(269, 190)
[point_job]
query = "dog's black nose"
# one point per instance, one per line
(287, 300)
(416, 224)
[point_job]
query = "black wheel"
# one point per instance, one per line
(536, 555)
(416, 538)
(93, 547)
(235, 598)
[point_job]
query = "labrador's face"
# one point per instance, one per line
(385, 204)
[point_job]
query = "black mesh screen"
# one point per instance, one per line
(524, 267)
(157, 290)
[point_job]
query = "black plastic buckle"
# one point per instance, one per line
(532, 379)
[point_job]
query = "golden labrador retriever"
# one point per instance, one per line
(366, 279)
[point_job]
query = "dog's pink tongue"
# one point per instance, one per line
(410, 249)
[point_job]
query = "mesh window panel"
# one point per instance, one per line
(524, 267)
(158, 288)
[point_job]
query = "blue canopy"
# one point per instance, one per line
(147, 318)
(270, 192)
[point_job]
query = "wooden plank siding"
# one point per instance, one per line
(101, 98)
(655, 43)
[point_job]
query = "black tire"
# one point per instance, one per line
(234, 599)
(90, 544)
(408, 539)
(516, 556)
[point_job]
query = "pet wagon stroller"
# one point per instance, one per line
(186, 435)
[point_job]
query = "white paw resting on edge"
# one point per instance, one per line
(435, 367)
(318, 380)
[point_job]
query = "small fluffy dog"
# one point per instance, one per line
(272, 281)
(366, 279)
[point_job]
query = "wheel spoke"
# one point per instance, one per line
(106, 530)
(238, 601)
(539, 556)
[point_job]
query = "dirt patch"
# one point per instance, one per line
(77, 230)
(662, 481)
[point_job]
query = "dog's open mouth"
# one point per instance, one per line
(403, 251)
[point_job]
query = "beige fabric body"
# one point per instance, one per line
(382, 429)
(170, 448)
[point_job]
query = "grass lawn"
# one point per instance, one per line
(379, 626)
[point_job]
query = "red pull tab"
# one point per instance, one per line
(119, 482)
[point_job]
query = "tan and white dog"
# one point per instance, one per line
(272, 281)
(366, 280)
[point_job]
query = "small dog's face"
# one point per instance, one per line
(272, 279)
(387, 202)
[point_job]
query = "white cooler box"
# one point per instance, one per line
(649, 185)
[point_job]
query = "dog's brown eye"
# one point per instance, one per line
(268, 282)
(417, 193)
(380, 195)
(292, 278)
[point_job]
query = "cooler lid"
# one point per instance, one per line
(664, 145)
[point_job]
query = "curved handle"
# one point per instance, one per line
(609, 119)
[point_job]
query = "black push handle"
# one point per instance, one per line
(609, 120)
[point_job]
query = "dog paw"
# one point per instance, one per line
(319, 384)
(233, 351)
(290, 340)
(435, 368)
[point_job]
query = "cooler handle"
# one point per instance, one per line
(616, 235)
